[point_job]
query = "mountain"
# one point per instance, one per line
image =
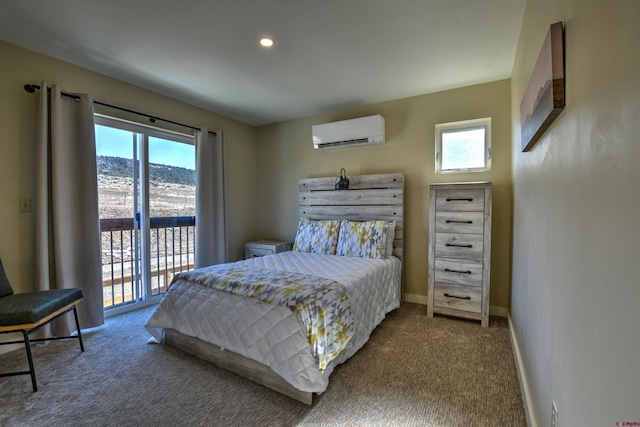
(120, 167)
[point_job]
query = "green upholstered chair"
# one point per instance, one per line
(28, 312)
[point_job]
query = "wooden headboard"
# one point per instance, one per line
(369, 197)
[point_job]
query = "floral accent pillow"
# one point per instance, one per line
(366, 239)
(319, 236)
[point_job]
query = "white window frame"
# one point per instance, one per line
(143, 133)
(483, 123)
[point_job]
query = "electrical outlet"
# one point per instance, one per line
(25, 204)
(554, 414)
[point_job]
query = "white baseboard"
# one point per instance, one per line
(522, 377)
(132, 307)
(416, 299)
(11, 347)
(420, 299)
(497, 311)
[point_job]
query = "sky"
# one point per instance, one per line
(119, 143)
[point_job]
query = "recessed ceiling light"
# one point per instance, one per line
(266, 42)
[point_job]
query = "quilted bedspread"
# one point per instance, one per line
(321, 304)
(272, 334)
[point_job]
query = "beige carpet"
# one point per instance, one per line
(414, 371)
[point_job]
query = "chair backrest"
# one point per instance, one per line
(5, 286)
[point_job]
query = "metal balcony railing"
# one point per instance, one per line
(172, 243)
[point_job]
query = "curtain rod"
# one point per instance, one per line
(32, 88)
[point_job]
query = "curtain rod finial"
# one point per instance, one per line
(30, 88)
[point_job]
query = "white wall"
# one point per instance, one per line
(576, 228)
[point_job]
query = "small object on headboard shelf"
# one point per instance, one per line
(342, 182)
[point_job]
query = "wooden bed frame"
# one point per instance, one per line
(369, 197)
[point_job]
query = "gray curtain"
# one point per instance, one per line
(66, 207)
(211, 223)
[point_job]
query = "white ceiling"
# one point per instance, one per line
(329, 54)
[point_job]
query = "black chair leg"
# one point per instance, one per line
(32, 371)
(75, 315)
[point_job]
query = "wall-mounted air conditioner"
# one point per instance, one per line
(349, 133)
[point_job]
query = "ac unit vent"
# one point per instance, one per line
(349, 133)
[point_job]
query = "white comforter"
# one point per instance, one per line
(273, 335)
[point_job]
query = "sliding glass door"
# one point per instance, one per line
(146, 192)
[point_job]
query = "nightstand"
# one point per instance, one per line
(265, 247)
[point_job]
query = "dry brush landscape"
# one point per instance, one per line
(172, 246)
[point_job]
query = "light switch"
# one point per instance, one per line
(25, 204)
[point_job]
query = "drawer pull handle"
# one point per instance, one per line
(457, 271)
(450, 199)
(454, 296)
(457, 246)
(449, 221)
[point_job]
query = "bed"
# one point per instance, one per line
(276, 337)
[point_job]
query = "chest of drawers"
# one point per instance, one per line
(460, 250)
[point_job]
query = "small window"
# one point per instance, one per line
(463, 147)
